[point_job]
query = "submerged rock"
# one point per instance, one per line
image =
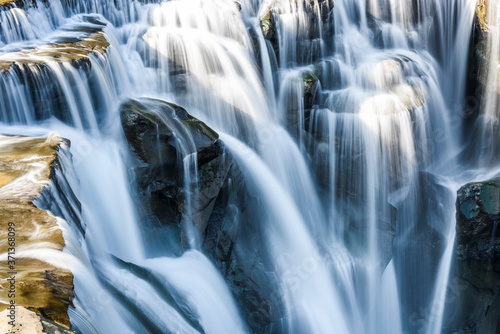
(26, 166)
(474, 288)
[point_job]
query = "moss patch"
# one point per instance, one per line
(265, 23)
(310, 77)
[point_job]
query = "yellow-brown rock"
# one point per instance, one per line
(26, 165)
(94, 43)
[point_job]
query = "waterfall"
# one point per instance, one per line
(344, 122)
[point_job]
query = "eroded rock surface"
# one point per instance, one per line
(474, 287)
(161, 134)
(26, 166)
(75, 50)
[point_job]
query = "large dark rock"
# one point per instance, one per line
(478, 214)
(473, 291)
(230, 242)
(162, 135)
(223, 211)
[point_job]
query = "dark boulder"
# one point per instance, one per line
(222, 212)
(478, 215)
(162, 136)
(230, 241)
(473, 291)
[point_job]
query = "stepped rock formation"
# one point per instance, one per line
(75, 51)
(37, 69)
(43, 291)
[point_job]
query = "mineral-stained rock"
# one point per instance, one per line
(479, 52)
(29, 322)
(36, 82)
(26, 166)
(75, 51)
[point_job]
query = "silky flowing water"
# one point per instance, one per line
(354, 202)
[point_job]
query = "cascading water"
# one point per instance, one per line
(343, 124)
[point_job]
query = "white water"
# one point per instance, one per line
(330, 196)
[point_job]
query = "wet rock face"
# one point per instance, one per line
(478, 216)
(230, 241)
(473, 291)
(161, 134)
(151, 128)
(479, 53)
(318, 24)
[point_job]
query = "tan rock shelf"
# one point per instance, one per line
(26, 166)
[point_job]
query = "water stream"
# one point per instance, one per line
(354, 197)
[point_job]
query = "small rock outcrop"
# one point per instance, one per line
(474, 288)
(162, 135)
(479, 53)
(26, 166)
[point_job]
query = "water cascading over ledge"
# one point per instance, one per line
(331, 204)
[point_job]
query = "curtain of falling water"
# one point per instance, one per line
(110, 296)
(347, 188)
